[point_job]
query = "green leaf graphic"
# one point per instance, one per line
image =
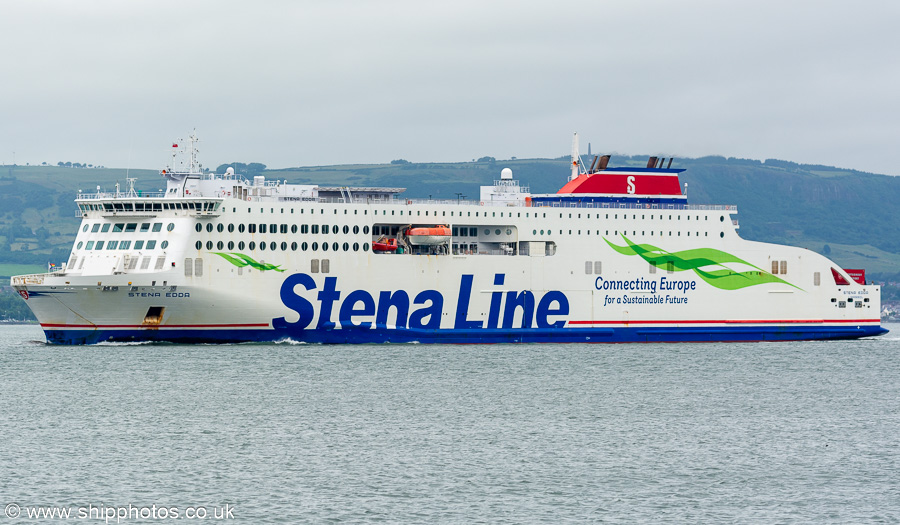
(240, 260)
(723, 277)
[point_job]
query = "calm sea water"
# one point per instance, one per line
(674, 433)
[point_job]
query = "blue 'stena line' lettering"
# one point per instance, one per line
(360, 310)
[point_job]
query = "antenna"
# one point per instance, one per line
(576, 160)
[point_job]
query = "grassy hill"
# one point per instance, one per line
(854, 213)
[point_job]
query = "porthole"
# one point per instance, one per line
(198, 245)
(85, 228)
(303, 246)
(294, 246)
(542, 232)
(163, 245)
(346, 246)
(171, 226)
(722, 218)
(283, 246)
(334, 246)
(365, 230)
(293, 228)
(240, 228)
(251, 246)
(534, 232)
(315, 246)
(220, 245)
(509, 231)
(262, 246)
(231, 228)
(241, 245)
(324, 246)
(198, 227)
(355, 228)
(346, 229)
(722, 234)
(487, 231)
(356, 247)
(209, 245)
(220, 227)
(335, 229)
(79, 245)
(497, 231)
(230, 245)
(365, 246)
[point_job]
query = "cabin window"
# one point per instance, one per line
(588, 267)
(598, 266)
(131, 227)
(118, 227)
(111, 245)
(783, 267)
(198, 227)
(356, 247)
(220, 227)
(90, 245)
(145, 262)
(220, 245)
(326, 265)
(164, 245)
(95, 228)
(145, 227)
(241, 245)
(303, 246)
(262, 228)
(230, 245)
(251, 228)
(78, 246)
(774, 267)
(315, 246)
(198, 245)
(198, 267)
(160, 262)
(105, 228)
(188, 267)
(324, 246)
(355, 229)
(365, 230)
(157, 226)
(273, 228)
(151, 245)
(124, 245)
(251, 246)
(294, 246)
(365, 246)
(313, 265)
(170, 227)
(209, 245)
(262, 246)
(231, 228)
(817, 279)
(315, 228)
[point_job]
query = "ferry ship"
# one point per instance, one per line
(616, 255)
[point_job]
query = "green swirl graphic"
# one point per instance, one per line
(708, 263)
(240, 260)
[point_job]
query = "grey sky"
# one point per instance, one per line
(291, 83)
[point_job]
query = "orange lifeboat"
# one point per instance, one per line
(428, 236)
(385, 245)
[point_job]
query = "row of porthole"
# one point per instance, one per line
(281, 228)
(272, 246)
(550, 232)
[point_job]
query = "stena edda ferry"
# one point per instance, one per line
(616, 255)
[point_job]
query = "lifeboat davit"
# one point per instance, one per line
(428, 236)
(385, 245)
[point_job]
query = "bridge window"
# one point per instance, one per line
(131, 227)
(151, 245)
(105, 228)
(157, 226)
(111, 245)
(124, 245)
(118, 227)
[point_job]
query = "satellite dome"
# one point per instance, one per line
(506, 174)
